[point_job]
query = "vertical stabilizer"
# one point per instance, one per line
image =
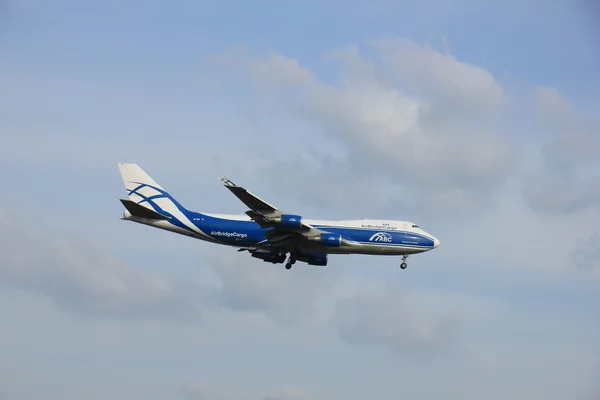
(149, 201)
(140, 186)
(146, 192)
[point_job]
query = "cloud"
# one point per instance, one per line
(279, 69)
(411, 115)
(85, 279)
(549, 100)
(437, 129)
(568, 179)
(200, 390)
(440, 77)
(288, 394)
(402, 318)
(587, 253)
(251, 285)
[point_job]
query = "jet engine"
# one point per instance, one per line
(328, 239)
(313, 259)
(289, 221)
(275, 258)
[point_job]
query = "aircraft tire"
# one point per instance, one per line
(403, 265)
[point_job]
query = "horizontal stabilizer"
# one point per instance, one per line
(142, 212)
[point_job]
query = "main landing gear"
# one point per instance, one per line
(404, 265)
(291, 261)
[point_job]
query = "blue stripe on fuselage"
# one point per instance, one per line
(380, 237)
(242, 233)
(157, 208)
(248, 233)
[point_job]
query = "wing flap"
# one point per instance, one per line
(259, 218)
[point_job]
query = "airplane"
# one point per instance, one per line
(267, 232)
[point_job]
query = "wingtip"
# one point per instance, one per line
(226, 181)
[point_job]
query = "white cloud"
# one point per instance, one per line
(421, 141)
(587, 253)
(568, 179)
(201, 390)
(415, 117)
(439, 76)
(288, 394)
(81, 277)
(550, 101)
(407, 320)
(282, 70)
(287, 296)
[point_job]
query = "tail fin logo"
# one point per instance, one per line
(381, 237)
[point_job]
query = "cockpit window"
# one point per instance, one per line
(415, 226)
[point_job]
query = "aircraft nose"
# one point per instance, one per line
(436, 243)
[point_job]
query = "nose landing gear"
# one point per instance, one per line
(404, 265)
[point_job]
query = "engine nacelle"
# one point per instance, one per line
(328, 239)
(331, 239)
(289, 221)
(274, 258)
(313, 259)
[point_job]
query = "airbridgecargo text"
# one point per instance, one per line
(229, 234)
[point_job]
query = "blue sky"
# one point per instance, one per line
(475, 119)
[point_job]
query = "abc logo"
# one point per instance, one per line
(381, 237)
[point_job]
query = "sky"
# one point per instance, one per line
(476, 120)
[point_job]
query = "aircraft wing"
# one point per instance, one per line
(266, 214)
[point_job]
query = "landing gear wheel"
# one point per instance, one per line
(403, 265)
(291, 261)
